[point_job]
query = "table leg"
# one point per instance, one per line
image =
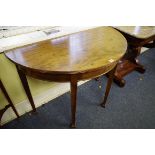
(73, 103)
(26, 87)
(138, 67)
(109, 83)
(8, 99)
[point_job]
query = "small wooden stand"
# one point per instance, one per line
(9, 101)
(130, 60)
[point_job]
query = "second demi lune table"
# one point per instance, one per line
(71, 58)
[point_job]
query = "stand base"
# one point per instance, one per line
(3, 111)
(125, 67)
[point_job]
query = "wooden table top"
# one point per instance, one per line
(73, 53)
(142, 32)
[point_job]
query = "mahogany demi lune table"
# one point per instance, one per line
(71, 58)
(137, 37)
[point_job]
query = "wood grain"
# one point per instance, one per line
(79, 52)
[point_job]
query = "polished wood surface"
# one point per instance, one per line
(83, 55)
(78, 52)
(137, 37)
(2, 111)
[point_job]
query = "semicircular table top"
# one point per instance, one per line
(78, 52)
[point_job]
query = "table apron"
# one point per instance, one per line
(53, 77)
